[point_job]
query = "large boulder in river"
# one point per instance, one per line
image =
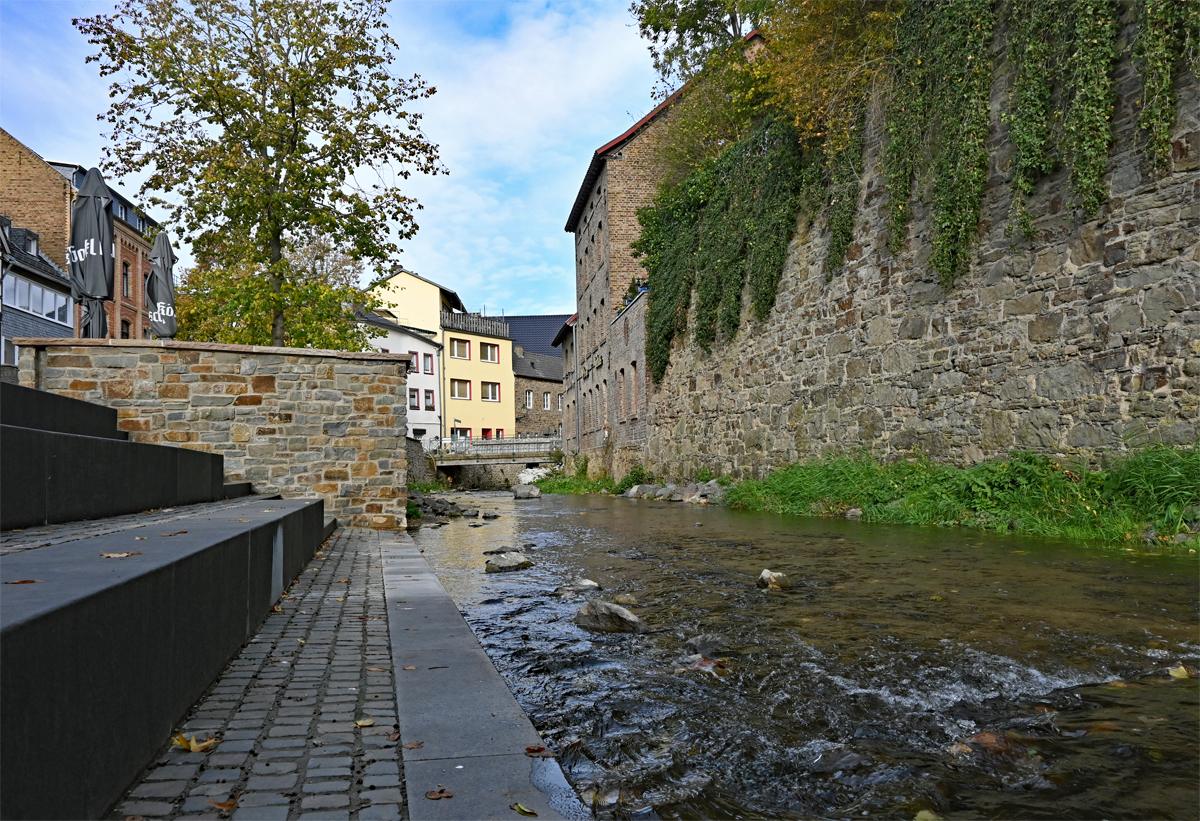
(637, 491)
(526, 491)
(506, 562)
(608, 618)
(771, 579)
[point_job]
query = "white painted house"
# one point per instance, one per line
(424, 396)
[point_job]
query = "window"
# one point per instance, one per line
(414, 399)
(145, 333)
(10, 353)
(418, 433)
(428, 358)
(63, 313)
(460, 389)
(415, 364)
(429, 400)
(125, 328)
(460, 348)
(460, 433)
(546, 400)
(499, 433)
(124, 281)
(489, 352)
(490, 391)
(560, 402)
(487, 433)
(529, 399)
(23, 294)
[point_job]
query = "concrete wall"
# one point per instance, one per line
(1067, 343)
(301, 423)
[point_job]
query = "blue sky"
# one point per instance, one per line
(526, 92)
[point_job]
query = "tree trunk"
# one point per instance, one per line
(277, 291)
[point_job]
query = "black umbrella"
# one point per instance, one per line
(160, 291)
(90, 254)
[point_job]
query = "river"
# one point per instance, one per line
(907, 672)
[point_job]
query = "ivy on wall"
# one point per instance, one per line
(1168, 32)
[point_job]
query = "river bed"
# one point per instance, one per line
(906, 670)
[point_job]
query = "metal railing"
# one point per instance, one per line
(474, 324)
(485, 448)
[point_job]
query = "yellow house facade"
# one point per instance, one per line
(477, 365)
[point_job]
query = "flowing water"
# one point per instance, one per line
(907, 669)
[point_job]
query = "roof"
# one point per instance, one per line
(75, 173)
(600, 156)
(38, 264)
(538, 366)
(562, 332)
(455, 302)
(535, 332)
(388, 325)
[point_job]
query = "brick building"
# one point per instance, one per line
(37, 195)
(606, 385)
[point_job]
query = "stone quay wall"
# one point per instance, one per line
(296, 422)
(1075, 342)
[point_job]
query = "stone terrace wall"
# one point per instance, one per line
(300, 423)
(1069, 343)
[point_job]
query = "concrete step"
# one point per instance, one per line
(101, 657)
(41, 410)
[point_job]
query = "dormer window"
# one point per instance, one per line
(33, 244)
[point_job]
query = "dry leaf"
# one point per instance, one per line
(523, 810)
(302, 641)
(243, 520)
(341, 599)
(540, 752)
(26, 581)
(393, 736)
(225, 806)
(343, 580)
(410, 668)
(191, 744)
(1181, 670)
(141, 538)
(120, 555)
(277, 609)
(414, 745)
(434, 795)
(375, 670)
(365, 722)
(176, 533)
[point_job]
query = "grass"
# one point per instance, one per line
(558, 483)
(1156, 487)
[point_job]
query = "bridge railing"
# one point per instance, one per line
(485, 448)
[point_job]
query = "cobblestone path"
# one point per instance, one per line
(285, 710)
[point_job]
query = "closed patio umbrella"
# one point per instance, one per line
(90, 253)
(160, 292)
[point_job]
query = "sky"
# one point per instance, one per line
(526, 92)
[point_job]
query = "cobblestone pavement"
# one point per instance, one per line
(285, 710)
(14, 541)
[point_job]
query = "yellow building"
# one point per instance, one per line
(477, 364)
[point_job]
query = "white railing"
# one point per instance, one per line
(484, 448)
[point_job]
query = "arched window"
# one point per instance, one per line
(634, 392)
(125, 329)
(125, 282)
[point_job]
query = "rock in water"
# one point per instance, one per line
(491, 514)
(506, 562)
(854, 513)
(526, 492)
(707, 644)
(626, 599)
(770, 579)
(583, 585)
(608, 618)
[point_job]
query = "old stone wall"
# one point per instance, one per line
(537, 420)
(481, 477)
(1076, 341)
(420, 464)
(296, 422)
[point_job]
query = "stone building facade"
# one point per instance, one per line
(604, 370)
(1075, 342)
(538, 393)
(297, 422)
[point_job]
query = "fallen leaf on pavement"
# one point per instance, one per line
(414, 745)
(434, 795)
(410, 668)
(365, 722)
(142, 538)
(376, 670)
(225, 806)
(440, 667)
(191, 744)
(540, 752)
(120, 555)
(277, 609)
(343, 580)
(302, 641)
(393, 736)
(26, 581)
(523, 810)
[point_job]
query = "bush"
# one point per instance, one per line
(705, 475)
(581, 466)
(636, 476)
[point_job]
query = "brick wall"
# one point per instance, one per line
(300, 423)
(35, 196)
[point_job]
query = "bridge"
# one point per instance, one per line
(530, 450)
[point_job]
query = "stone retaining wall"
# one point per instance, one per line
(1076, 341)
(297, 422)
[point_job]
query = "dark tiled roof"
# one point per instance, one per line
(388, 325)
(536, 333)
(15, 323)
(538, 366)
(38, 264)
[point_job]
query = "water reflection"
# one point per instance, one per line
(905, 670)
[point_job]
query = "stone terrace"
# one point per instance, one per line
(296, 422)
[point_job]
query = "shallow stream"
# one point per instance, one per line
(906, 669)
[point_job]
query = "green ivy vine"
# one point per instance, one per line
(938, 116)
(1168, 31)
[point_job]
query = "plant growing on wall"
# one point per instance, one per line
(1168, 31)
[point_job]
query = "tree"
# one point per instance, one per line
(259, 116)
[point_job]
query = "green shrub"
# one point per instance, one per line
(636, 476)
(581, 466)
(704, 475)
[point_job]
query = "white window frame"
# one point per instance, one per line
(427, 360)
(529, 400)
(414, 399)
(430, 400)
(545, 400)
(483, 391)
(454, 345)
(484, 347)
(457, 383)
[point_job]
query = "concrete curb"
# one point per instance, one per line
(472, 730)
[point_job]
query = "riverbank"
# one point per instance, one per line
(1151, 494)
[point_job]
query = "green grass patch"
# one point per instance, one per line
(1157, 487)
(428, 487)
(558, 483)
